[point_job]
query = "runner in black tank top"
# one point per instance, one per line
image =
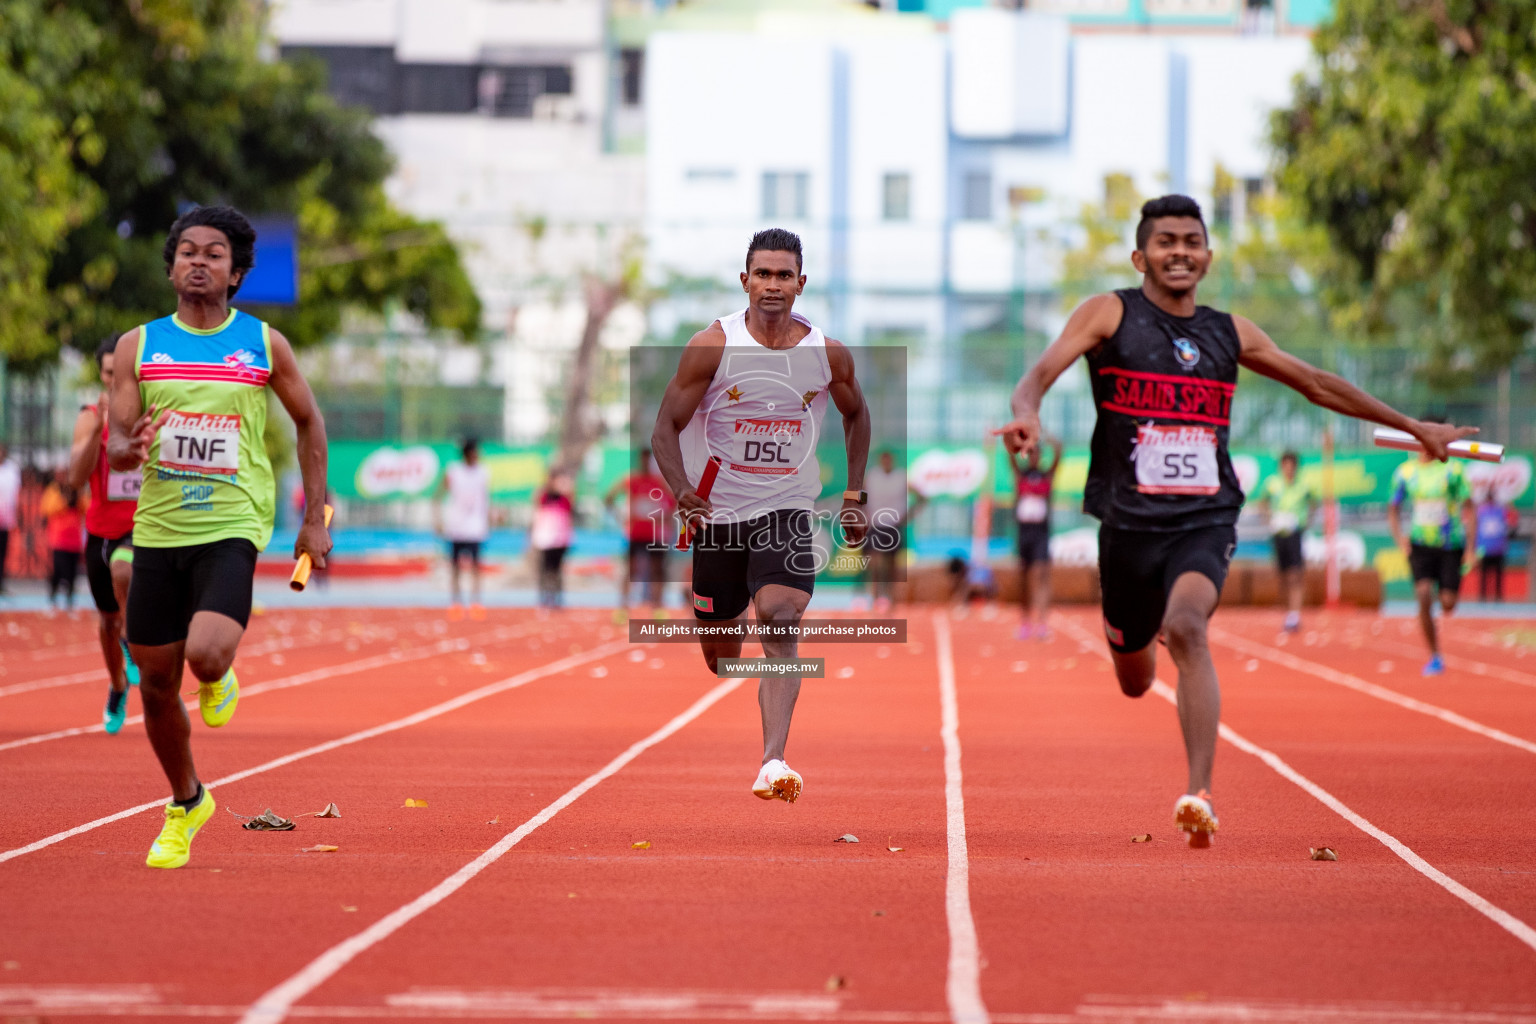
(1164, 373)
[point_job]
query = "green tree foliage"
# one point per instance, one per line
(158, 103)
(1412, 147)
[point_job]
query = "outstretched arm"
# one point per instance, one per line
(84, 448)
(1261, 355)
(696, 368)
(293, 391)
(1089, 325)
(849, 399)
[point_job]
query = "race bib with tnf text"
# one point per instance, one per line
(198, 442)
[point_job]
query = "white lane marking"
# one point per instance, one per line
(599, 1003)
(1359, 685)
(100, 674)
(963, 988)
(275, 1004)
(432, 712)
(1477, 668)
(394, 657)
(1503, 918)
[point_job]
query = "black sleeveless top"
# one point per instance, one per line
(1163, 386)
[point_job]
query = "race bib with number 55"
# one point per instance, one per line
(1176, 460)
(198, 442)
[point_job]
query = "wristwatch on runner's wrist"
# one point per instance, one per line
(862, 497)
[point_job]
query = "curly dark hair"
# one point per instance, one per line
(242, 237)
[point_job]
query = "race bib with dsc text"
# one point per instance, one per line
(772, 447)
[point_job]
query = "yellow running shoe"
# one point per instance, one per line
(217, 700)
(174, 846)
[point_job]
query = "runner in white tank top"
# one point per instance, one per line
(751, 389)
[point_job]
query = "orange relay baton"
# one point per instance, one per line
(301, 572)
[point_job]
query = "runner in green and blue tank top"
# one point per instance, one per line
(188, 409)
(1441, 518)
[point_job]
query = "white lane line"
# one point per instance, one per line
(963, 988)
(1359, 685)
(274, 1006)
(273, 646)
(1503, 918)
(1457, 661)
(394, 657)
(436, 710)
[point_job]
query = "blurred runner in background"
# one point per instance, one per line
(647, 519)
(63, 512)
(1442, 518)
(10, 496)
(1032, 509)
(553, 529)
(464, 521)
(1289, 503)
(891, 503)
(108, 538)
(1495, 522)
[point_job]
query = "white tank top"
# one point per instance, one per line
(467, 513)
(762, 416)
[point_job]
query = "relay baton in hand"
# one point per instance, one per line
(706, 483)
(301, 571)
(1401, 440)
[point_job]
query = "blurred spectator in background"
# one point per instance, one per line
(647, 519)
(10, 495)
(1289, 503)
(464, 521)
(63, 512)
(1032, 509)
(554, 526)
(891, 504)
(1495, 522)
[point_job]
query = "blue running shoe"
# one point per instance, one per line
(1434, 667)
(116, 710)
(129, 668)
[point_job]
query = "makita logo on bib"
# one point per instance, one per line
(1187, 352)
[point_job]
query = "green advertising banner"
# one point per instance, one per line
(373, 471)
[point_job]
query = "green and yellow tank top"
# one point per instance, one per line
(208, 477)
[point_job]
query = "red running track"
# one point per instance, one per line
(505, 899)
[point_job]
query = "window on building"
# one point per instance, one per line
(510, 91)
(438, 88)
(632, 70)
(356, 76)
(786, 194)
(976, 197)
(897, 196)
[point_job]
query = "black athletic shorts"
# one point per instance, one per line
(733, 561)
(1137, 570)
(470, 549)
(1441, 566)
(1288, 550)
(98, 568)
(170, 585)
(1034, 543)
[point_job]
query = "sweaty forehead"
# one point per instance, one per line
(203, 235)
(776, 260)
(1178, 226)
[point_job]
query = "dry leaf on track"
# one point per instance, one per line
(836, 982)
(322, 848)
(848, 837)
(331, 811)
(1145, 837)
(413, 802)
(1324, 853)
(266, 821)
(893, 849)
(644, 844)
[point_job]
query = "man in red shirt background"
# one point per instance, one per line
(647, 524)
